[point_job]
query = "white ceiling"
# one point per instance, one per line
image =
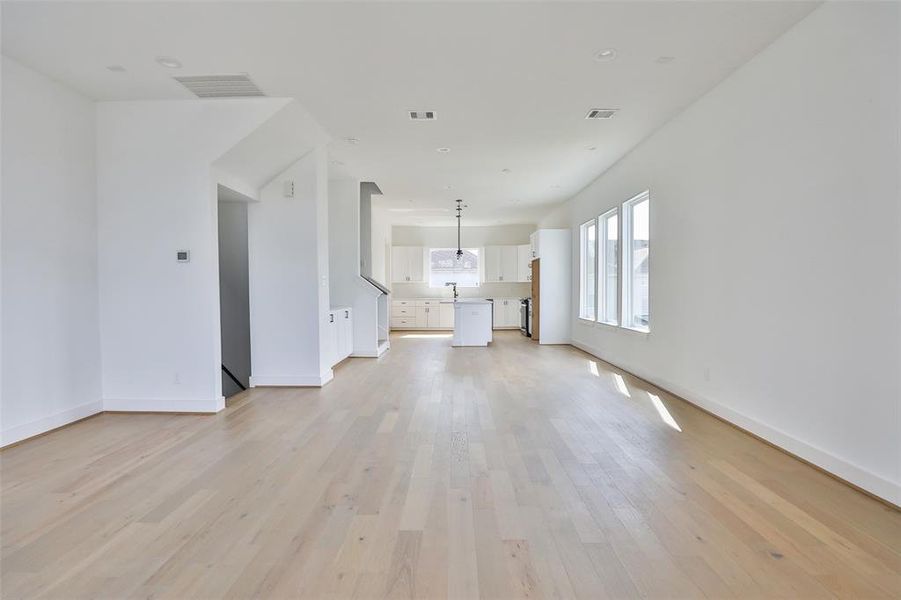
(511, 82)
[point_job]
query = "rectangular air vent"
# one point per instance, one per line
(423, 115)
(601, 113)
(220, 86)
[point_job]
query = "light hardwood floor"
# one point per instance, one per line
(516, 471)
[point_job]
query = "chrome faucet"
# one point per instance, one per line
(453, 283)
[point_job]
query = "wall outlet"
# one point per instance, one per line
(177, 379)
(288, 189)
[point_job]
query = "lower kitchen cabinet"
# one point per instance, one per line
(340, 333)
(506, 313)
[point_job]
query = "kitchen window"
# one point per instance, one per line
(608, 267)
(588, 262)
(636, 255)
(445, 267)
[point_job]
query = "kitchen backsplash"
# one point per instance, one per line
(486, 290)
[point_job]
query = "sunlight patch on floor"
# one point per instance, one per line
(664, 414)
(621, 385)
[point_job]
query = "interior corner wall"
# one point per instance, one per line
(50, 333)
(159, 318)
(380, 242)
(775, 258)
(289, 294)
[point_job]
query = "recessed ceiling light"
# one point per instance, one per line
(169, 62)
(605, 55)
(443, 150)
(505, 171)
(116, 68)
(448, 187)
(555, 187)
(665, 59)
(352, 140)
(591, 148)
(336, 163)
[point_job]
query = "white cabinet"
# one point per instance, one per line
(340, 334)
(446, 316)
(428, 317)
(502, 264)
(407, 264)
(421, 314)
(506, 313)
(524, 262)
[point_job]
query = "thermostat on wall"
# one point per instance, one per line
(183, 256)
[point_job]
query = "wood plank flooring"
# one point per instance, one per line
(520, 471)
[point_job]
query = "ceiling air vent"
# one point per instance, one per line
(220, 86)
(423, 115)
(601, 113)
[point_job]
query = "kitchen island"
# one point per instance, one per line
(472, 322)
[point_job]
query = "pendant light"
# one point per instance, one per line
(460, 207)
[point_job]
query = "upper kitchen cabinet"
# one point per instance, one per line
(524, 262)
(502, 264)
(408, 264)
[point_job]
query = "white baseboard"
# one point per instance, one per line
(18, 433)
(164, 405)
(291, 380)
(379, 350)
(854, 474)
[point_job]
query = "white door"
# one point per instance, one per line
(416, 258)
(513, 313)
(492, 263)
(498, 312)
(348, 339)
(508, 270)
(446, 319)
(332, 337)
(524, 263)
(399, 262)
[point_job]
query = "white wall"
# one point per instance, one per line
(775, 259)
(472, 237)
(346, 287)
(289, 284)
(156, 195)
(381, 239)
(50, 340)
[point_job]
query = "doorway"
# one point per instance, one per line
(234, 292)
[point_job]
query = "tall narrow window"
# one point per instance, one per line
(636, 248)
(588, 265)
(608, 256)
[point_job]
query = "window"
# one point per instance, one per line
(588, 263)
(608, 267)
(444, 267)
(636, 247)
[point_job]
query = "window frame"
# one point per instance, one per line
(626, 238)
(602, 267)
(583, 271)
(480, 267)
